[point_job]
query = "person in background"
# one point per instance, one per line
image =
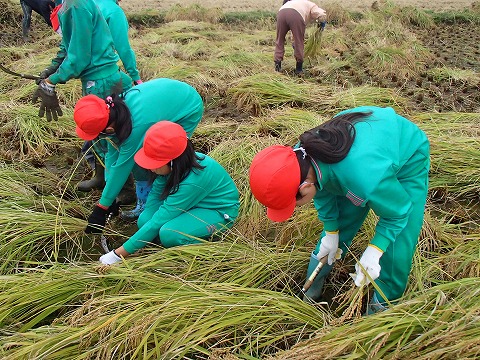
(123, 120)
(295, 15)
(192, 197)
(347, 167)
(41, 7)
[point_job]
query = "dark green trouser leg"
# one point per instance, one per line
(314, 293)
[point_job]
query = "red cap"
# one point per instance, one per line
(54, 17)
(163, 142)
(274, 180)
(91, 116)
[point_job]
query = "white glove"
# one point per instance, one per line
(110, 258)
(329, 246)
(370, 261)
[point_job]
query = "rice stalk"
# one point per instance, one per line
(25, 135)
(258, 92)
(34, 235)
(178, 319)
(367, 95)
(453, 75)
(193, 12)
(442, 320)
(313, 44)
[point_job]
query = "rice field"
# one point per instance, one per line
(238, 297)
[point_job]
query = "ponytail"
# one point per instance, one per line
(331, 141)
(120, 115)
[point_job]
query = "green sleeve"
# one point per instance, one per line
(327, 209)
(78, 53)
(58, 59)
(118, 168)
(118, 25)
(392, 204)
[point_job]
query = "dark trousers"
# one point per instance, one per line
(290, 19)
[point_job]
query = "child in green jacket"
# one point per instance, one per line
(123, 120)
(364, 158)
(192, 197)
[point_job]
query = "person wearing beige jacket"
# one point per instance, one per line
(295, 15)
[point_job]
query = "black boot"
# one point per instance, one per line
(127, 195)
(299, 68)
(278, 65)
(96, 182)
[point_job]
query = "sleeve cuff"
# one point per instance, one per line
(330, 225)
(380, 242)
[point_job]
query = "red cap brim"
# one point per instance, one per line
(146, 162)
(280, 215)
(85, 136)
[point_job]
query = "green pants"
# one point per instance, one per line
(190, 227)
(396, 262)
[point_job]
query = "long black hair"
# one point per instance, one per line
(331, 141)
(120, 115)
(181, 167)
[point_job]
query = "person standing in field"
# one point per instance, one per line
(123, 120)
(294, 16)
(192, 197)
(42, 7)
(118, 24)
(86, 52)
(364, 158)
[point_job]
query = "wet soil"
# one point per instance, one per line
(456, 47)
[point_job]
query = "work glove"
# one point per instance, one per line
(321, 25)
(98, 218)
(110, 258)
(370, 261)
(49, 105)
(138, 82)
(329, 247)
(47, 72)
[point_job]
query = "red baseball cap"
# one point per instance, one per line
(91, 116)
(163, 142)
(274, 180)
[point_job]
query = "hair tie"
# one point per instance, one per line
(109, 101)
(304, 153)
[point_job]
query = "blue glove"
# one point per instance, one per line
(322, 25)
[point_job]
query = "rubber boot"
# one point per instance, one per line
(127, 195)
(374, 306)
(142, 189)
(96, 182)
(314, 293)
(278, 65)
(299, 68)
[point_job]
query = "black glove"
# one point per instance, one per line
(47, 72)
(49, 105)
(96, 221)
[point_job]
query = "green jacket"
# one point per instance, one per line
(149, 103)
(386, 149)
(209, 188)
(87, 47)
(118, 24)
